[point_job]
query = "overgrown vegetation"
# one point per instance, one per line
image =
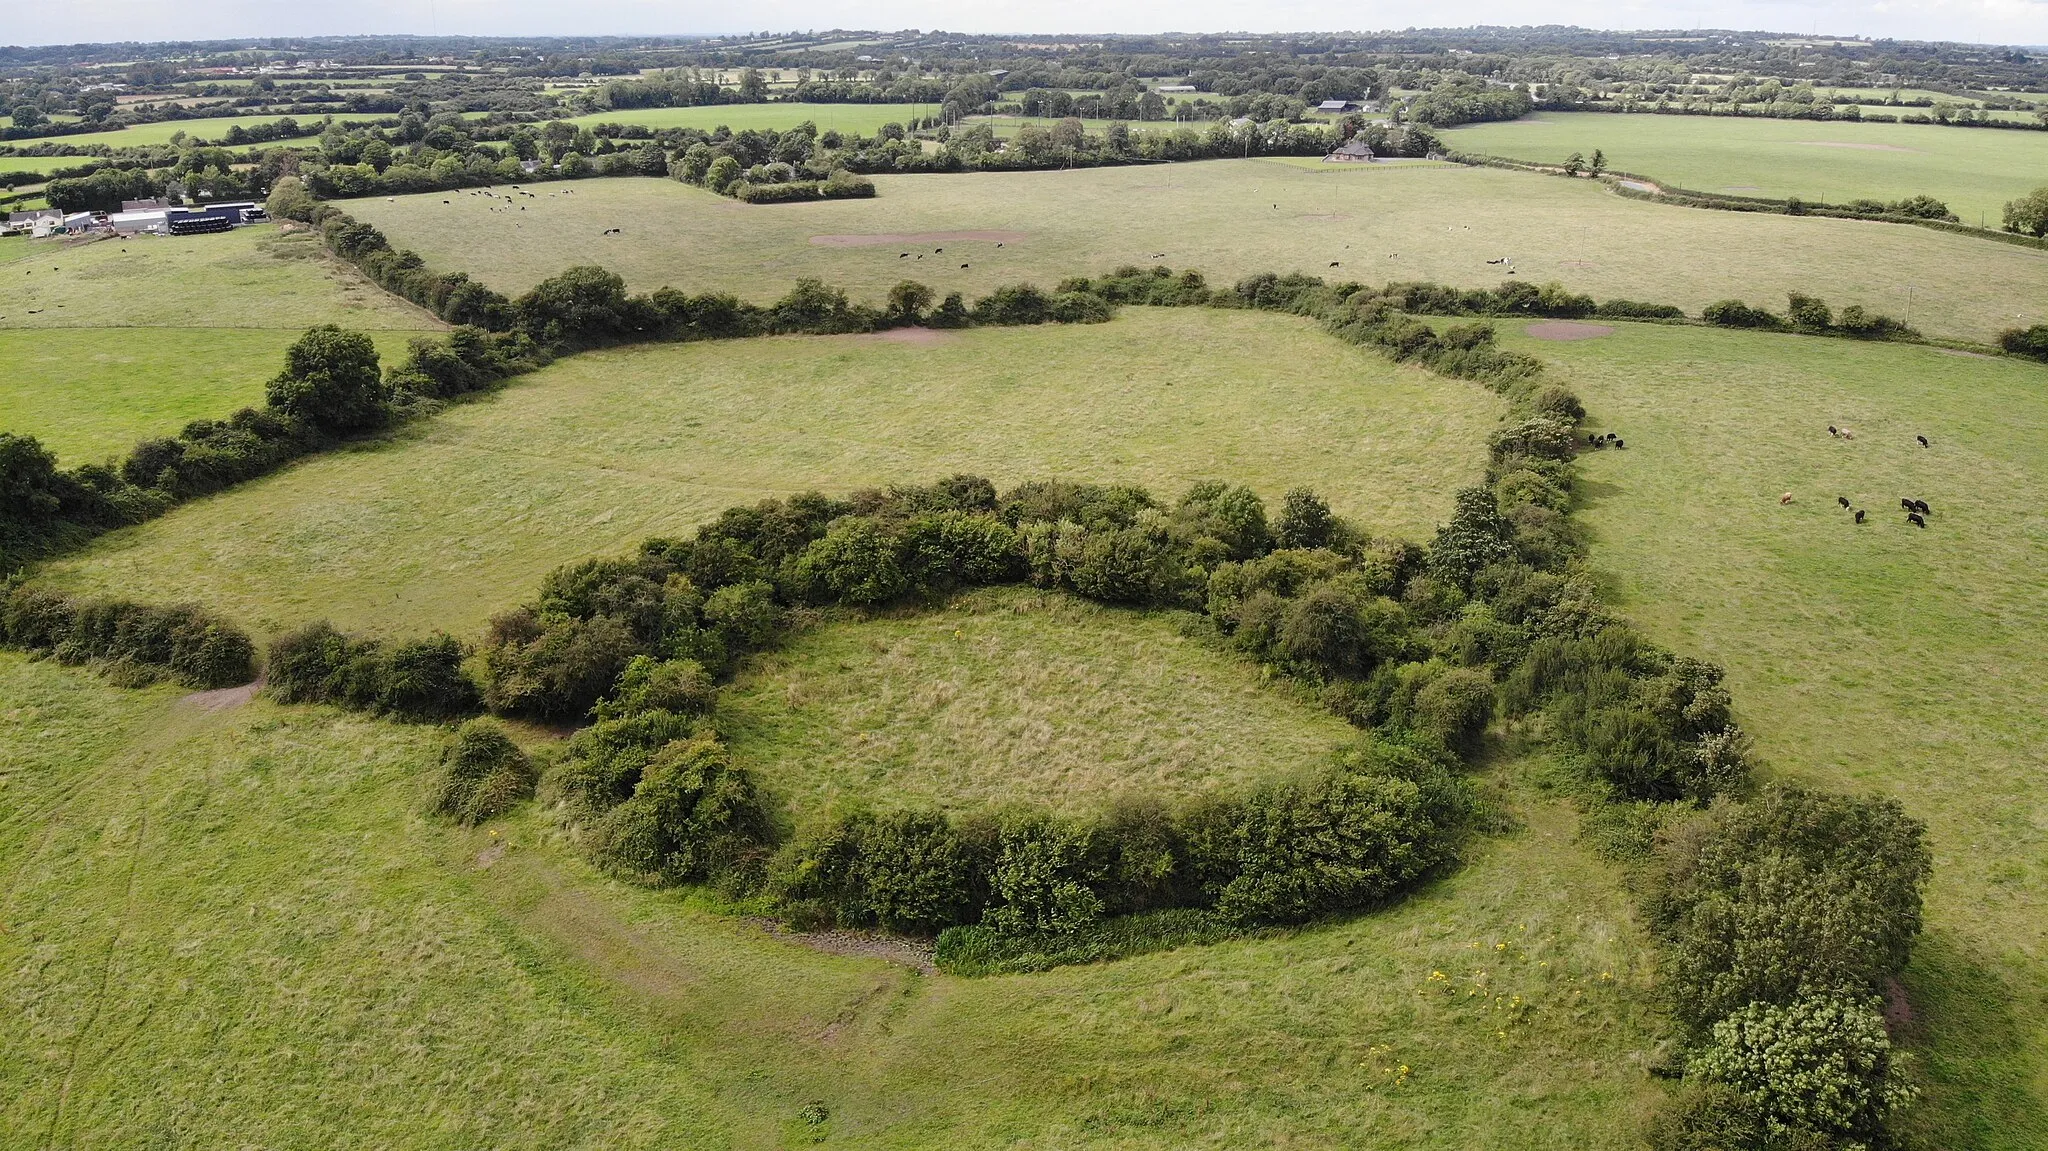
(135, 643)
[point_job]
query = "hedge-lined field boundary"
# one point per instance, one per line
(1782, 914)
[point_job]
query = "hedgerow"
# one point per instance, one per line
(137, 642)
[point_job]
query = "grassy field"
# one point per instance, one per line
(1228, 219)
(1882, 657)
(255, 888)
(1974, 171)
(458, 517)
(1013, 695)
(38, 164)
(92, 392)
(254, 277)
(208, 128)
(861, 118)
(113, 340)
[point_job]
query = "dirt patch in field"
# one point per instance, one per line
(1857, 147)
(1898, 1011)
(913, 239)
(225, 698)
(1564, 331)
(920, 336)
(1641, 186)
(859, 944)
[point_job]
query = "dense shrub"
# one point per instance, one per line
(1736, 314)
(138, 641)
(552, 666)
(901, 871)
(1820, 1063)
(2030, 342)
(417, 680)
(1341, 840)
(483, 774)
(692, 816)
(1796, 894)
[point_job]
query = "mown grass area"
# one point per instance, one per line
(1882, 657)
(1974, 170)
(37, 164)
(1230, 218)
(861, 118)
(211, 128)
(88, 393)
(459, 516)
(254, 277)
(256, 888)
(1014, 695)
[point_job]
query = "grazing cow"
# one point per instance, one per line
(901, 255)
(999, 245)
(1847, 434)
(1834, 431)
(1923, 441)
(1842, 500)
(1784, 499)
(1618, 442)
(1859, 515)
(1905, 503)
(447, 201)
(1914, 519)
(963, 267)
(936, 251)
(1921, 507)
(1333, 263)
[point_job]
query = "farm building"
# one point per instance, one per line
(36, 223)
(1340, 106)
(1353, 151)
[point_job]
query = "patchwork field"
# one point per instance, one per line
(861, 118)
(189, 888)
(208, 128)
(1014, 695)
(459, 517)
(109, 341)
(1882, 657)
(1975, 171)
(1229, 218)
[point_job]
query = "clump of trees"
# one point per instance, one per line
(2028, 215)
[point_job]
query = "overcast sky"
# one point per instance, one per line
(1980, 21)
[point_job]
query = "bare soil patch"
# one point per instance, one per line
(1857, 147)
(920, 336)
(1564, 331)
(876, 239)
(859, 944)
(224, 698)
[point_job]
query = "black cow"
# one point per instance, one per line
(1921, 507)
(1905, 503)
(1834, 431)
(1923, 441)
(1619, 444)
(1842, 500)
(1859, 515)
(1914, 519)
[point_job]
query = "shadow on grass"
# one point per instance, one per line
(1977, 1070)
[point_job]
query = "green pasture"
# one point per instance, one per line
(1227, 218)
(90, 393)
(1973, 170)
(862, 118)
(38, 164)
(458, 517)
(1882, 657)
(1014, 695)
(208, 128)
(255, 888)
(254, 277)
